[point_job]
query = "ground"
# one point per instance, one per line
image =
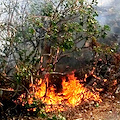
(108, 109)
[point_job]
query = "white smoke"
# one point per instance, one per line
(104, 2)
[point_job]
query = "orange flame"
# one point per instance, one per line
(72, 94)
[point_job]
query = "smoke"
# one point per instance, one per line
(109, 14)
(104, 3)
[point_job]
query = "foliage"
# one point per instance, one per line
(58, 29)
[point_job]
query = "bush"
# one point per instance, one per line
(35, 40)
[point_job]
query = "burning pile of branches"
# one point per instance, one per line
(60, 91)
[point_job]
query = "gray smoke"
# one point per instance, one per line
(109, 14)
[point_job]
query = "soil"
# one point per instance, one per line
(108, 109)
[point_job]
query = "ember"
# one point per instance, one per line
(71, 94)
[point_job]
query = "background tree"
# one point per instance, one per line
(34, 40)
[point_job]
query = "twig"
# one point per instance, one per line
(16, 91)
(26, 89)
(58, 73)
(10, 90)
(5, 77)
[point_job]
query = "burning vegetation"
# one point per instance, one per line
(60, 92)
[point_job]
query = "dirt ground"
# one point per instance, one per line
(109, 109)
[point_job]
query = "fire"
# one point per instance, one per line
(71, 94)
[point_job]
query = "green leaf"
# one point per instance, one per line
(49, 119)
(54, 118)
(106, 27)
(31, 30)
(97, 105)
(40, 24)
(43, 115)
(47, 36)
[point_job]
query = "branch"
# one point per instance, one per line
(58, 73)
(9, 90)
(4, 77)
